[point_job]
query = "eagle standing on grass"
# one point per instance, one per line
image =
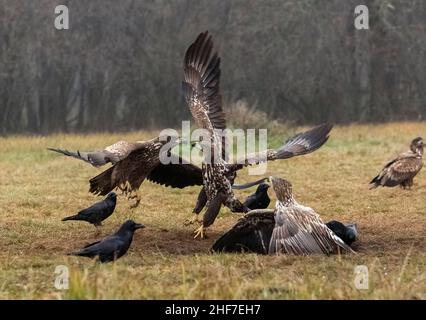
(202, 94)
(291, 229)
(111, 154)
(402, 170)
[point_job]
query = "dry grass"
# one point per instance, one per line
(38, 188)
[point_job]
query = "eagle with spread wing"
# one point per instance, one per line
(401, 170)
(133, 162)
(291, 229)
(201, 86)
(145, 162)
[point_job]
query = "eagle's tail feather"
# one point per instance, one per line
(102, 184)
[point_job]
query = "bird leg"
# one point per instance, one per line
(199, 232)
(192, 220)
(136, 196)
(98, 229)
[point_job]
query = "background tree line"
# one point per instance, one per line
(119, 66)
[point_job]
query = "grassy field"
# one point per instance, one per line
(38, 188)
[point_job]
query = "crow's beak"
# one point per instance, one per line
(139, 226)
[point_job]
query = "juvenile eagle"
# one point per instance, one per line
(144, 162)
(202, 93)
(291, 228)
(402, 169)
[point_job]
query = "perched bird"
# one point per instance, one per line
(291, 228)
(403, 169)
(202, 93)
(259, 199)
(113, 246)
(111, 154)
(98, 212)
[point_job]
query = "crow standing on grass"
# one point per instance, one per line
(112, 247)
(259, 199)
(98, 212)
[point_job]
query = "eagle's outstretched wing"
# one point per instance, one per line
(300, 231)
(201, 86)
(144, 163)
(113, 153)
(251, 233)
(300, 144)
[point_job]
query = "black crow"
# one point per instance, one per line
(348, 233)
(98, 212)
(259, 199)
(113, 246)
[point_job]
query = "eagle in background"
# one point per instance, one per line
(401, 170)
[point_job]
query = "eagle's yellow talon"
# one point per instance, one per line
(199, 232)
(136, 196)
(193, 220)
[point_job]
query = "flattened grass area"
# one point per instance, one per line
(38, 188)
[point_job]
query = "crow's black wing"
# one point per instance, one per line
(251, 201)
(176, 174)
(251, 233)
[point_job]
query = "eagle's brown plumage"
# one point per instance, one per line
(290, 228)
(299, 230)
(402, 169)
(202, 92)
(144, 163)
(111, 154)
(300, 144)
